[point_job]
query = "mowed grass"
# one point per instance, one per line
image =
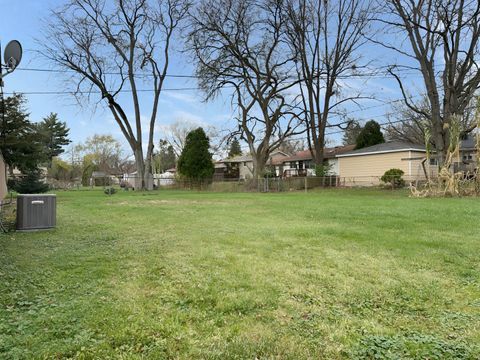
(330, 274)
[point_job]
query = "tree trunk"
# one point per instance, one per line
(319, 148)
(259, 163)
(147, 174)
(140, 165)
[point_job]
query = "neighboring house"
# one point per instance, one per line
(16, 173)
(362, 167)
(302, 163)
(365, 167)
(468, 154)
(244, 164)
(166, 178)
(284, 165)
(101, 178)
(220, 171)
(132, 180)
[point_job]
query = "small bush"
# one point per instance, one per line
(31, 183)
(394, 178)
(323, 170)
(110, 190)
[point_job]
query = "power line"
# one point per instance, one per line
(342, 131)
(94, 91)
(372, 74)
(59, 71)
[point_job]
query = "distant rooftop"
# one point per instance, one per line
(274, 157)
(328, 153)
(390, 146)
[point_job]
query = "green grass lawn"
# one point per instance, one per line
(331, 274)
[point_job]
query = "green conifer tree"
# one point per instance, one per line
(195, 162)
(370, 135)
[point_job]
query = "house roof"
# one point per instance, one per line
(387, 147)
(220, 165)
(469, 143)
(274, 158)
(97, 174)
(328, 153)
(238, 158)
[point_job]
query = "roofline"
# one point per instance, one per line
(381, 152)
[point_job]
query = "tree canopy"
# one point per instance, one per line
(195, 162)
(351, 133)
(165, 158)
(370, 135)
(235, 149)
(20, 144)
(54, 134)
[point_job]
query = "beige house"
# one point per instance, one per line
(365, 167)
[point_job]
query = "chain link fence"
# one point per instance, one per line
(274, 184)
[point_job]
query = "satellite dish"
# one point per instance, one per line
(13, 54)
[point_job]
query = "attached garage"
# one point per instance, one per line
(365, 167)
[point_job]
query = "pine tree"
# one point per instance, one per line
(20, 144)
(235, 149)
(54, 135)
(195, 162)
(370, 135)
(31, 183)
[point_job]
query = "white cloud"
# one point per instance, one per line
(188, 98)
(188, 116)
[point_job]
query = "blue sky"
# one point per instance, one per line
(23, 20)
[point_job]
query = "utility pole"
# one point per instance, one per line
(11, 59)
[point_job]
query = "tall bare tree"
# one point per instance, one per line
(408, 125)
(443, 38)
(111, 47)
(326, 38)
(239, 47)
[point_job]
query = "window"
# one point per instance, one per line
(293, 164)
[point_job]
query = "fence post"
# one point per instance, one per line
(305, 184)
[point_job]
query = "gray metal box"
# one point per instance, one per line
(36, 212)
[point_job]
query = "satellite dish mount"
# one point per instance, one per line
(11, 58)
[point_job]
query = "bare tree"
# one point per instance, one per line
(444, 42)
(326, 37)
(292, 146)
(239, 47)
(408, 125)
(351, 132)
(111, 47)
(176, 134)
